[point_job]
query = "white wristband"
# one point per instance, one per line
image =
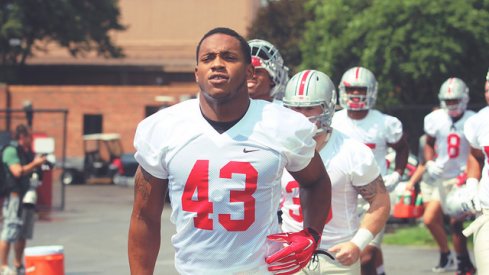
(362, 238)
(472, 183)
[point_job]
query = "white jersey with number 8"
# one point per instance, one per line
(451, 146)
(224, 188)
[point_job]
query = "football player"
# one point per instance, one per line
(477, 133)
(221, 158)
(271, 75)
(358, 119)
(353, 171)
(443, 164)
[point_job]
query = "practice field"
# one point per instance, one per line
(93, 231)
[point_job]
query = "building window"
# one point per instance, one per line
(92, 124)
(149, 110)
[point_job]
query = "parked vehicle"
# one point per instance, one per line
(103, 160)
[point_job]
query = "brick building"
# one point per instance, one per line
(91, 109)
(113, 95)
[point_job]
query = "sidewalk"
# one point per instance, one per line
(93, 230)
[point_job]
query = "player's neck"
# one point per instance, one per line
(455, 119)
(227, 111)
(357, 114)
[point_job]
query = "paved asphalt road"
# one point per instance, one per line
(93, 231)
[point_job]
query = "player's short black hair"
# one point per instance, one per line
(21, 130)
(245, 48)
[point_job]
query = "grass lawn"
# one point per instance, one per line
(414, 234)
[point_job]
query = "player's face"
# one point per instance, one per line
(260, 84)
(356, 95)
(452, 102)
(221, 71)
(356, 91)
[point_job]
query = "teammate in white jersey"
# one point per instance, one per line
(444, 162)
(353, 171)
(271, 75)
(358, 119)
(221, 158)
(477, 133)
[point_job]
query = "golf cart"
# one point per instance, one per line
(103, 161)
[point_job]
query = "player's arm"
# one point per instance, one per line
(145, 224)
(314, 193)
(416, 177)
(429, 148)
(429, 155)
(475, 161)
(378, 198)
(376, 194)
(401, 148)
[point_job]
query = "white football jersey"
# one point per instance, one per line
(477, 133)
(376, 130)
(224, 188)
(451, 146)
(349, 163)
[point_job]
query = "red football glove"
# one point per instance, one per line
(298, 252)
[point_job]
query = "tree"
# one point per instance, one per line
(80, 26)
(282, 24)
(412, 46)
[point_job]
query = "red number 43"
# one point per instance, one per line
(198, 184)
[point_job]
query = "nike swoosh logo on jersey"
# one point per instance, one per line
(249, 151)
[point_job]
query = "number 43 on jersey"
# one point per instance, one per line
(198, 183)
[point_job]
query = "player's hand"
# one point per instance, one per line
(409, 186)
(391, 180)
(474, 204)
(346, 253)
(298, 250)
(433, 170)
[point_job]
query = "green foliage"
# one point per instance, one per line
(79, 26)
(282, 24)
(412, 46)
(417, 235)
